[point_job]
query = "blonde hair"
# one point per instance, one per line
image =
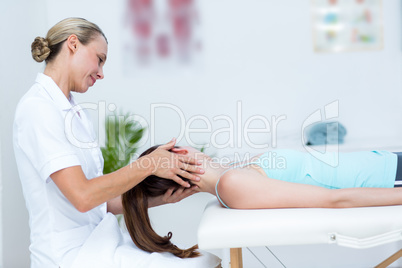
(46, 49)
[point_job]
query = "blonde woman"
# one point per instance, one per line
(68, 198)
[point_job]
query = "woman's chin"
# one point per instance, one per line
(83, 89)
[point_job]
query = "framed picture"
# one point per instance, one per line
(347, 25)
(161, 34)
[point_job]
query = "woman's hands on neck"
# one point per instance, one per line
(212, 169)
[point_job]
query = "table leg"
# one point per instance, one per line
(388, 261)
(236, 258)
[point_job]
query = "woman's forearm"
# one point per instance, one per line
(87, 194)
(109, 187)
(366, 197)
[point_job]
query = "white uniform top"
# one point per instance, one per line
(49, 135)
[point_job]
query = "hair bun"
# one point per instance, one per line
(40, 49)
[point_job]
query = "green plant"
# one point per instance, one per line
(121, 142)
(203, 149)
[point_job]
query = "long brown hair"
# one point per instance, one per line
(135, 207)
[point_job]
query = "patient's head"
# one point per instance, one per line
(153, 186)
(135, 206)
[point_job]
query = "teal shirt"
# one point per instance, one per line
(354, 169)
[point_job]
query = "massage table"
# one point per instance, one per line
(361, 228)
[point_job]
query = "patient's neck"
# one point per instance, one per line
(213, 171)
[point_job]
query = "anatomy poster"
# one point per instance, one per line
(162, 34)
(347, 25)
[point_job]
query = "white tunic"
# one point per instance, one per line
(44, 134)
(52, 133)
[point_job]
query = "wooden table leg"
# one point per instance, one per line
(388, 261)
(236, 258)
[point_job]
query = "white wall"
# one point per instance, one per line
(258, 52)
(1, 218)
(20, 22)
(261, 53)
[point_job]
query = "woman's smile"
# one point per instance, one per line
(93, 80)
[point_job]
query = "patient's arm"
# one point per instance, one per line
(115, 206)
(249, 189)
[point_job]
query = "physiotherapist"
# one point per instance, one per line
(66, 193)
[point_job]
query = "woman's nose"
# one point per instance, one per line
(100, 74)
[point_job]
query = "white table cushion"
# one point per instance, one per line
(352, 227)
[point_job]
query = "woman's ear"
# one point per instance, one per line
(179, 150)
(72, 42)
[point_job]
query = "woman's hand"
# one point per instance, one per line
(169, 165)
(172, 196)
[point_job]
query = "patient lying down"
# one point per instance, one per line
(274, 179)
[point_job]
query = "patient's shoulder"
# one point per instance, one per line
(233, 188)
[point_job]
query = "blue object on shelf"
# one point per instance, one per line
(325, 133)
